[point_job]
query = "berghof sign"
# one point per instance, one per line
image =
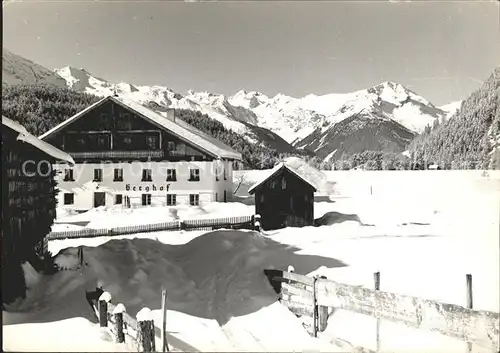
(147, 188)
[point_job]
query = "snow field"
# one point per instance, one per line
(427, 230)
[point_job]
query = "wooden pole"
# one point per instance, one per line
(118, 315)
(104, 299)
(470, 304)
(376, 279)
(144, 335)
(322, 315)
(164, 321)
(315, 309)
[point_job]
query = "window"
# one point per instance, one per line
(225, 175)
(127, 140)
(181, 148)
(194, 199)
(146, 175)
(118, 175)
(171, 199)
(216, 174)
(69, 198)
(171, 145)
(225, 196)
(101, 141)
(146, 199)
(171, 175)
(97, 174)
(124, 123)
(68, 175)
(194, 175)
(151, 142)
(283, 184)
(118, 199)
(106, 120)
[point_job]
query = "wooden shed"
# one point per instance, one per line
(28, 200)
(285, 198)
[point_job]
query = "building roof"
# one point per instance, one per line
(276, 170)
(181, 129)
(25, 136)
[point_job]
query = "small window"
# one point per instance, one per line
(171, 175)
(146, 175)
(283, 184)
(181, 148)
(118, 174)
(171, 199)
(146, 199)
(225, 174)
(194, 199)
(118, 199)
(127, 140)
(69, 198)
(216, 174)
(68, 175)
(151, 142)
(171, 145)
(97, 174)
(101, 141)
(194, 175)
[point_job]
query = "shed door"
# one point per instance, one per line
(99, 199)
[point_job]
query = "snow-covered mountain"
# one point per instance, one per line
(451, 108)
(386, 116)
(238, 119)
(16, 70)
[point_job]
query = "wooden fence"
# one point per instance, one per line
(141, 330)
(242, 222)
(312, 296)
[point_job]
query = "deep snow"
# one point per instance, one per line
(427, 230)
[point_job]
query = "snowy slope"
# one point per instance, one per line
(451, 108)
(18, 70)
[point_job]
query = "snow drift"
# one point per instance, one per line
(217, 276)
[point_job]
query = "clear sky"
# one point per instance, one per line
(440, 50)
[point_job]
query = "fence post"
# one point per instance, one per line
(376, 279)
(118, 315)
(256, 223)
(315, 309)
(164, 321)
(469, 298)
(104, 299)
(322, 314)
(182, 225)
(145, 331)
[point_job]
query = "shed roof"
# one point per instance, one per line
(45, 147)
(181, 129)
(276, 170)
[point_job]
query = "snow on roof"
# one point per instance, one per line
(25, 136)
(183, 130)
(293, 169)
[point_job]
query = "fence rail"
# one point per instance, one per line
(310, 296)
(242, 222)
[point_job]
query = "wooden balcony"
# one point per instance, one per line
(117, 154)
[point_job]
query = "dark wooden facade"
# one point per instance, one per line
(113, 132)
(284, 200)
(28, 207)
